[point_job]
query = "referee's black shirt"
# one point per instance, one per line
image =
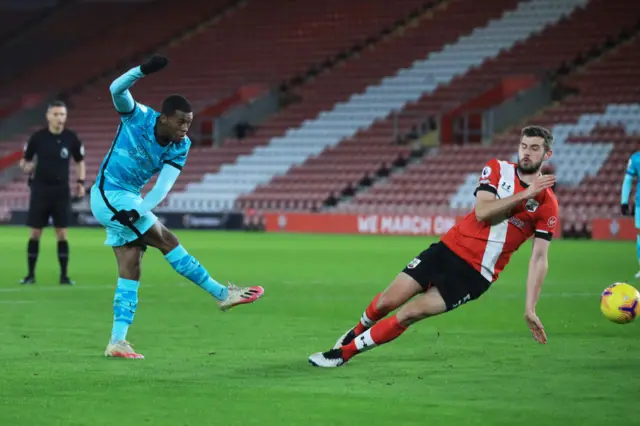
(53, 152)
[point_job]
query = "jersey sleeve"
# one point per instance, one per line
(137, 115)
(30, 148)
(547, 218)
(631, 168)
(77, 150)
(489, 178)
(178, 158)
(119, 88)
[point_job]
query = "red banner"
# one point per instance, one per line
(622, 228)
(359, 224)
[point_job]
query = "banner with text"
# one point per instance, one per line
(226, 221)
(622, 228)
(359, 224)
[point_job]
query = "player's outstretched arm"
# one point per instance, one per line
(538, 267)
(167, 178)
(489, 207)
(122, 98)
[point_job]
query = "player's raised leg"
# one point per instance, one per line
(401, 290)
(125, 301)
(425, 305)
(228, 296)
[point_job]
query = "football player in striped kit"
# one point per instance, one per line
(514, 202)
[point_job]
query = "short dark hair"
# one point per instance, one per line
(55, 104)
(539, 132)
(175, 103)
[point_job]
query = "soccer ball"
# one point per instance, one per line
(620, 303)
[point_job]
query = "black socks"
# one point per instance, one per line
(32, 256)
(63, 257)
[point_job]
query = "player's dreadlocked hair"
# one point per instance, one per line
(540, 132)
(175, 103)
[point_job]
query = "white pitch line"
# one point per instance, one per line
(37, 289)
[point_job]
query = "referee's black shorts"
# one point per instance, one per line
(456, 280)
(49, 202)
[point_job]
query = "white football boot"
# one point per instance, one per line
(329, 359)
(122, 349)
(240, 296)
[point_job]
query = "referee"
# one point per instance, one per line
(49, 182)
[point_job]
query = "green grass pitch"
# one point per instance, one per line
(475, 366)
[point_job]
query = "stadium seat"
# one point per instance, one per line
(351, 118)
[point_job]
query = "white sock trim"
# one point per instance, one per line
(364, 342)
(366, 321)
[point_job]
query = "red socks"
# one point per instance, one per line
(383, 332)
(370, 316)
(371, 333)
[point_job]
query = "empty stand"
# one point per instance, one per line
(351, 119)
(12, 20)
(594, 124)
(444, 174)
(595, 133)
(544, 52)
(237, 50)
(63, 29)
(142, 30)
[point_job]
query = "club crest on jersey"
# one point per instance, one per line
(415, 262)
(486, 172)
(64, 153)
(531, 205)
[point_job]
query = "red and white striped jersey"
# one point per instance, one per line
(488, 246)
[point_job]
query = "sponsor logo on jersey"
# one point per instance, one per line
(516, 222)
(531, 205)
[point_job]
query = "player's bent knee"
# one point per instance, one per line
(161, 238)
(427, 305)
(401, 290)
(130, 270)
(171, 240)
(36, 233)
(387, 303)
(410, 316)
(168, 243)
